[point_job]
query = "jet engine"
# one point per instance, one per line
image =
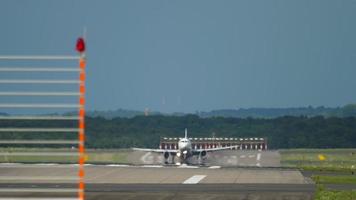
(166, 155)
(203, 154)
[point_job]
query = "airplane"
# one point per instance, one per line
(184, 151)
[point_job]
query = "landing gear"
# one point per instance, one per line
(172, 161)
(169, 158)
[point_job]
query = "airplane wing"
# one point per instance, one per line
(156, 150)
(213, 149)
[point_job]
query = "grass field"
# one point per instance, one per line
(334, 179)
(320, 159)
(337, 160)
(324, 194)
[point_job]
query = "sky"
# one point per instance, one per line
(195, 55)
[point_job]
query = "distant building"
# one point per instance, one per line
(208, 143)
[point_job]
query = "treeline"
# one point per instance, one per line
(141, 131)
(345, 111)
(310, 111)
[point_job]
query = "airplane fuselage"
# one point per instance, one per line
(184, 148)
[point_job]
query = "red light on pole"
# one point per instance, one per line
(80, 47)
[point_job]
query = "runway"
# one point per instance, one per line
(149, 174)
(226, 175)
(175, 191)
(154, 182)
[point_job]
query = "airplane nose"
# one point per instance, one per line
(183, 146)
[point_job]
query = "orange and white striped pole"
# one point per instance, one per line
(81, 150)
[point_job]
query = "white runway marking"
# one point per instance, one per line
(258, 157)
(251, 156)
(187, 166)
(144, 157)
(116, 165)
(214, 167)
(153, 166)
(242, 156)
(194, 179)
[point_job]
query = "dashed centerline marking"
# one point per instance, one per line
(258, 157)
(194, 179)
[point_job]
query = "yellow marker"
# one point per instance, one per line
(86, 157)
(321, 157)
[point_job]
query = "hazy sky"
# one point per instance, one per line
(196, 54)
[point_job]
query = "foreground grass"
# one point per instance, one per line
(335, 195)
(309, 159)
(323, 194)
(340, 179)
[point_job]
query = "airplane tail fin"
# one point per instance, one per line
(186, 133)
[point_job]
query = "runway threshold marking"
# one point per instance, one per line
(194, 179)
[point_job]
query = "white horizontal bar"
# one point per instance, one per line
(39, 198)
(39, 94)
(38, 154)
(28, 69)
(39, 165)
(39, 142)
(39, 129)
(35, 57)
(40, 81)
(39, 117)
(40, 106)
(49, 190)
(39, 178)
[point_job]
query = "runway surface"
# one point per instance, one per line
(153, 174)
(154, 182)
(177, 191)
(224, 177)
